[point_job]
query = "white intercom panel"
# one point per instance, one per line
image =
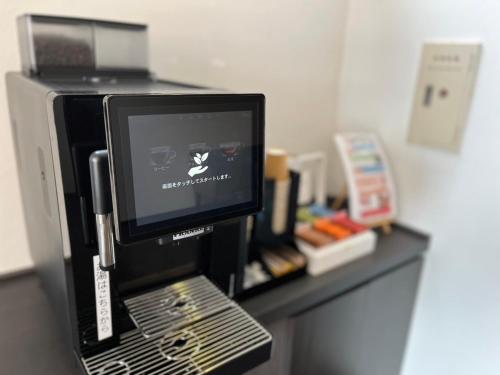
(443, 94)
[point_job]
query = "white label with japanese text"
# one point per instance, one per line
(102, 302)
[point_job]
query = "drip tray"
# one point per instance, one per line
(175, 306)
(188, 328)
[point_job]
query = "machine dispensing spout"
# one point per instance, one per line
(103, 208)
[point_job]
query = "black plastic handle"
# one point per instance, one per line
(100, 181)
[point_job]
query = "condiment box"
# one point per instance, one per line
(338, 253)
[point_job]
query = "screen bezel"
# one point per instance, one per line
(117, 108)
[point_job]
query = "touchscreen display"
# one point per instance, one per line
(185, 163)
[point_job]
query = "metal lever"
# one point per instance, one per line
(103, 208)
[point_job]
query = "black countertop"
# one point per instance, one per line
(401, 246)
(31, 342)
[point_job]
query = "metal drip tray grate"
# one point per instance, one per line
(163, 310)
(209, 334)
(198, 349)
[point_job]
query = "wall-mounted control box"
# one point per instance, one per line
(443, 94)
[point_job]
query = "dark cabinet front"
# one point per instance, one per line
(362, 332)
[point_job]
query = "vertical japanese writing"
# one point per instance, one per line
(102, 302)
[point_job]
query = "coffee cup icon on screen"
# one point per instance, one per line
(230, 149)
(161, 157)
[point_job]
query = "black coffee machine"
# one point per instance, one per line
(136, 193)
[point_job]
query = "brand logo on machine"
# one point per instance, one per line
(188, 233)
(199, 168)
(196, 232)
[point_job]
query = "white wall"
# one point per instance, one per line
(287, 49)
(455, 197)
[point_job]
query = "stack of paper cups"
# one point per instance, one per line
(277, 170)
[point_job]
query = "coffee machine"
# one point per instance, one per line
(136, 192)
